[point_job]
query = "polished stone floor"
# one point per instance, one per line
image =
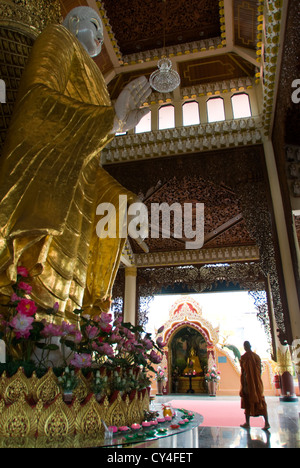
(284, 432)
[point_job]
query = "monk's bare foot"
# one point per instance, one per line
(245, 426)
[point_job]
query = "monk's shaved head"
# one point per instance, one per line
(247, 346)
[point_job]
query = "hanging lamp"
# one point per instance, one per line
(165, 79)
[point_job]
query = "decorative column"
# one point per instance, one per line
(130, 295)
(284, 362)
(285, 251)
(285, 367)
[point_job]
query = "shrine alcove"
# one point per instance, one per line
(188, 361)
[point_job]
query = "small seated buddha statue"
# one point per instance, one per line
(193, 364)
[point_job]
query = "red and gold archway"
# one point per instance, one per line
(186, 312)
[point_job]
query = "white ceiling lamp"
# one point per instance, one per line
(165, 79)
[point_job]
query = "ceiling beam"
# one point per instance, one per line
(229, 23)
(247, 54)
(223, 228)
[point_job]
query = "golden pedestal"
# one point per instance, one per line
(198, 385)
(34, 408)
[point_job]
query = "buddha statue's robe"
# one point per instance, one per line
(193, 364)
(252, 389)
(51, 181)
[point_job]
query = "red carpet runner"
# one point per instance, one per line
(218, 413)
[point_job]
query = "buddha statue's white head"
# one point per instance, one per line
(86, 25)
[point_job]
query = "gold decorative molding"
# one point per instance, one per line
(18, 420)
(32, 407)
(57, 420)
(203, 256)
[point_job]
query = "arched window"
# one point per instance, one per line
(215, 109)
(144, 124)
(241, 106)
(166, 117)
(190, 113)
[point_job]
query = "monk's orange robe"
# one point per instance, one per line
(252, 389)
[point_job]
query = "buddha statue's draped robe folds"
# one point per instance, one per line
(51, 181)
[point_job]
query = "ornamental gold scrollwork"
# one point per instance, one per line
(34, 408)
(89, 418)
(144, 401)
(46, 388)
(135, 411)
(83, 388)
(116, 413)
(18, 420)
(57, 420)
(13, 388)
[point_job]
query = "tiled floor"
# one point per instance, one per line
(284, 432)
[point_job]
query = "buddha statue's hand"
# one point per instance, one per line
(128, 105)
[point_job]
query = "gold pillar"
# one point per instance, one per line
(130, 295)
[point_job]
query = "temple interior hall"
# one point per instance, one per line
(215, 162)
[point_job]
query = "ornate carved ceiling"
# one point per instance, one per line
(190, 178)
(139, 25)
(218, 68)
(137, 31)
(224, 223)
(245, 23)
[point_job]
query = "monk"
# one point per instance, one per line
(252, 389)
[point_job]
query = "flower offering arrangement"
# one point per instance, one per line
(100, 363)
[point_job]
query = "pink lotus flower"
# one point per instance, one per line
(22, 324)
(104, 349)
(15, 298)
(25, 287)
(22, 271)
(51, 330)
(106, 318)
(148, 344)
(26, 307)
(129, 345)
(77, 336)
(108, 350)
(106, 327)
(115, 338)
(68, 328)
(91, 332)
(155, 358)
(81, 360)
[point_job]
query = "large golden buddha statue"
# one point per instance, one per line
(51, 181)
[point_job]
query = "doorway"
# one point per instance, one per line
(187, 363)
